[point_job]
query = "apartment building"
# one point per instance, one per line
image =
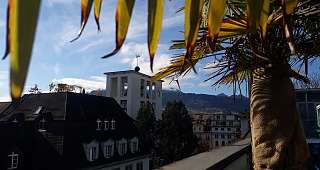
(219, 128)
(132, 89)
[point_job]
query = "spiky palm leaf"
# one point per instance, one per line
(123, 17)
(245, 51)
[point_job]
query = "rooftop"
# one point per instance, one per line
(215, 159)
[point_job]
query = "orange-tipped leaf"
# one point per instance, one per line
(155, 14)
(123, 17)
(254, 13)
(191, 26)
(97, 9)
(22, 25)
(216, 13)
(86, 6)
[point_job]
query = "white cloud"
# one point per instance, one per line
(51, 3)
(94, 83)
(5, 99)
(130, 50)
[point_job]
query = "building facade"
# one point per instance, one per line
(70, 131)
(132, 89)
(218, 129)
(307, 101)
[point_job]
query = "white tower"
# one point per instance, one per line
(132, 89)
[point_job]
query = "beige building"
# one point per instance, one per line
(132, 89)
(219, 128)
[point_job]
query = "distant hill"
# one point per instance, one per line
(207, 103)
(203, 102)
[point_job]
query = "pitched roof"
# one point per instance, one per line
(66, 106)
(4, 106)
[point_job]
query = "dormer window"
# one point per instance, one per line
(91, 150)
(106, 125)
(122, 147)
(134, 145)
(108, 148)
(13, 160)
(113, 124)
(42, 125)
(99, 124)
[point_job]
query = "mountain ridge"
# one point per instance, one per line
(203, 102)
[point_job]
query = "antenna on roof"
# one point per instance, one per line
(137, 68)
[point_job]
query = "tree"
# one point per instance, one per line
(146, 123)
(22, 22)
(256, 41)
(283, 38)
(35, 90)
(177, 140)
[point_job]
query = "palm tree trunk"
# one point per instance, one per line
(278, 140)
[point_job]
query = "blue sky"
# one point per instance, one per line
(55, 59)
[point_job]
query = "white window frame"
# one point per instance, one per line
(14, 160)
(122, 147)
(108, 148)
(91, 156)
(134, 145)
(99, 124)
(106, 125)
(113, 124)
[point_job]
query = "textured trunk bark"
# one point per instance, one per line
(278, 140)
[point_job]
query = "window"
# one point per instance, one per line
(116, 169)
(217, 143)
(42, 125)
(139, 166)
(114, 87)
(148, 90)
(122, 147)
(99, 124)
(230, 123)
(106, 125)
(229, 129)
(223, 143)
(222, 136)
(141, 88)
(93, 153)
(108, 148)
(108, 151)
(229, 136)
(128, 167)
(222, 129)
(215, 128)
(123, 104)
(134, 145)
(153, 88)
(218, 117)
(216, 135)
(13, 160)
(113, 124)
(124, 86)
(91, 150)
